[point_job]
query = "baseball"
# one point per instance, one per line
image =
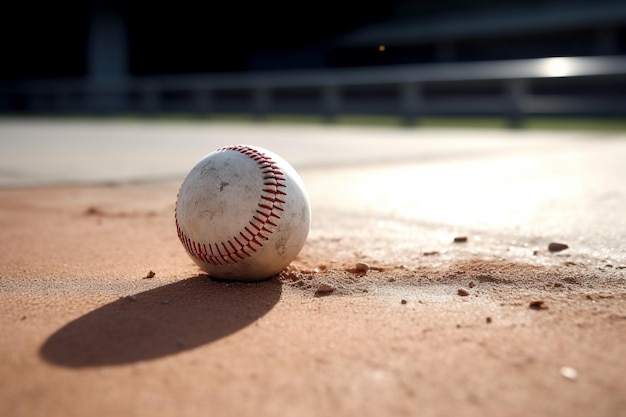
(242, 213)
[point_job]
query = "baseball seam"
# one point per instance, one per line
(258, 228)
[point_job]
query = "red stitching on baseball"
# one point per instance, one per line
(240, 247)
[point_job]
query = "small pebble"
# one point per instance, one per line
(471, 284)
(403, 302)
(460, 239)
(558, 284)
(362, 267)
(537, 305)
(488, 320)
(569, 373)
(324, 288)
(431, 253)
(462, 292)
(151, 274)
(557, 247)
(93, 211)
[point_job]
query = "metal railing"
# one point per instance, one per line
(513, 89)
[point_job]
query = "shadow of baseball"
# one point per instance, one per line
(160, 322)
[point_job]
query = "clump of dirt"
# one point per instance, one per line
(557, 247)
(325, 281)
(463, 292)
(95, 211)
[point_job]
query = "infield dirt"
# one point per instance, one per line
(384, 312)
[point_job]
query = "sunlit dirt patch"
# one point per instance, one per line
(473, 279)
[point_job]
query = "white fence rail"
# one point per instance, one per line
(514, 89)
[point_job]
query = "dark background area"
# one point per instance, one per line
(100, 57)
(49, 39)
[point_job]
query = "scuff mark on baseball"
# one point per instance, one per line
(251, 229)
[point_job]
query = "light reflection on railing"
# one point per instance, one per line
(148, 93)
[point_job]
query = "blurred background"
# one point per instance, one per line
(406, 59)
